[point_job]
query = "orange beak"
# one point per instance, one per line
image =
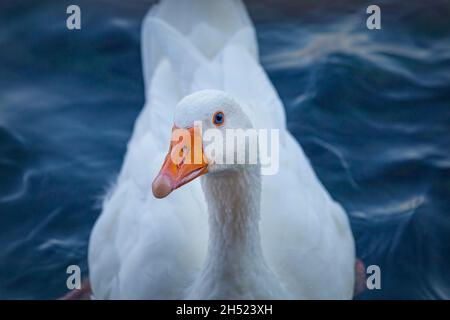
(184, 162)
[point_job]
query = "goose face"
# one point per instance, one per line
(198, 144)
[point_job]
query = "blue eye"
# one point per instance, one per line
(218, 118)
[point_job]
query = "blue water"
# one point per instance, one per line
(370, 108)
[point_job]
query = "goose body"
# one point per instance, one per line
(230, 234)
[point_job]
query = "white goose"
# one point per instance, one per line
(233, 233)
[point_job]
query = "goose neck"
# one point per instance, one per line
(234, 210)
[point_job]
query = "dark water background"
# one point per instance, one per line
(370, 108)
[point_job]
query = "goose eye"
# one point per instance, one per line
(218, 118)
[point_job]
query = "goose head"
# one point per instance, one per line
(199, 143)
